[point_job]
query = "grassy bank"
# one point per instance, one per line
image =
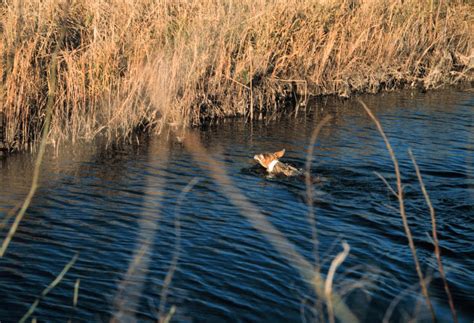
(123, 65)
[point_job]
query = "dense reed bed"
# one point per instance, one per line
(124, 66)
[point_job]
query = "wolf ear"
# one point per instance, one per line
(280, 153)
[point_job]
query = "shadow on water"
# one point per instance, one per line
(92, 200)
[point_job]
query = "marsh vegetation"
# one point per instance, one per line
(115, 67)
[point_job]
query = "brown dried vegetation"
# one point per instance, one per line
(128, 65)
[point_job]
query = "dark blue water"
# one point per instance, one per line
(153, 201)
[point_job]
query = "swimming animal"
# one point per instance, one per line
(271, 162)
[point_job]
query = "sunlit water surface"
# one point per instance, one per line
(113, 204)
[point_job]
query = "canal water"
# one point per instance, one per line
(154, 232)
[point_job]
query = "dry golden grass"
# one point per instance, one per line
(128, 65)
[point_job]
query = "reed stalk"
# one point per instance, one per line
(401, 204)
(309, 188)
(437, 250)
(46, 291)
(330, 278)
(165, 317)
(132, 285)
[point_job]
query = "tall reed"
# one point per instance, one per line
(204, 59)
(401, 204)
